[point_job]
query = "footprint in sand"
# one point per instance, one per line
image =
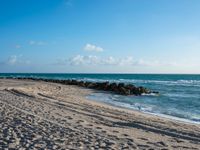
(115, 131)
(125, 134)
(98, 128)
(70, 118)
(161, 143)
(144, 139)
(90, 125)
(103, 131)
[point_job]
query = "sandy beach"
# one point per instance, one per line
(41, 115)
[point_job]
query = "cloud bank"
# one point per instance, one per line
(15, 60)
(81, 60)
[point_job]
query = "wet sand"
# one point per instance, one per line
(41, 115)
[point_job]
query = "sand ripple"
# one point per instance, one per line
(38, 115)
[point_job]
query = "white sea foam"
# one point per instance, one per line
(155, 109)
(193, 83)
(150, 94)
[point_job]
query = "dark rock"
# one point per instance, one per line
(74, 82)
(91, 85)
(113, 86)
(120, 85)
(81, 83)
(87, 83)
(124, 91)
(105, 86)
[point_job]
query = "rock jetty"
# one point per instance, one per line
(118, 88)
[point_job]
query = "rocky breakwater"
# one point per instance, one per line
(118, 88)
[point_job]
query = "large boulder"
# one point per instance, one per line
(92, 85)
(120, 85)
(123, 91)
(113, 87)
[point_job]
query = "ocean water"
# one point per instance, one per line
(179, 96)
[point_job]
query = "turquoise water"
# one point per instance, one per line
(179, 94)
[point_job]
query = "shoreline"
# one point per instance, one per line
(168, 117)
(64, 112)
(173, 118)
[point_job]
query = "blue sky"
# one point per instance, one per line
(100, 36)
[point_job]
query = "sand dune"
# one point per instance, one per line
(53, 116)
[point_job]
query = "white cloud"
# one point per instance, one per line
(109, 61)
(39, 43)
(16, 60)
(12, 60)
(92, 63)
(142, 62)
(92, 47)
(125, 61)
(95, 60)
(84, 60)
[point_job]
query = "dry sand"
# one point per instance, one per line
(41, 115)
